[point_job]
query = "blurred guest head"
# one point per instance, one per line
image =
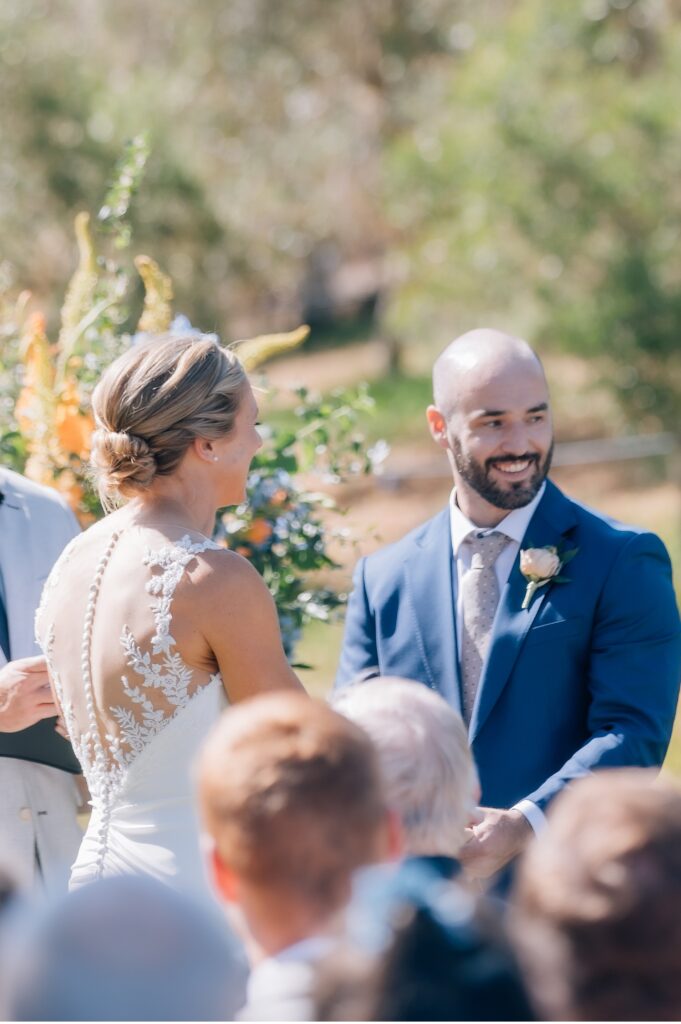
(598, 901)
(290, 792)
(166, 397)
(443, 955)
(428, 772)
(126, 948)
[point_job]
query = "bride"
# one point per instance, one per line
(150, 628)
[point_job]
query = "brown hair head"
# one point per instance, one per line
(290, 791)
(598, 901)
(150, 405)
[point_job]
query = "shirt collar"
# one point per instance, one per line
(311, 949)
(514, 525)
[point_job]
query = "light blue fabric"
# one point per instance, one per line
(586, 677)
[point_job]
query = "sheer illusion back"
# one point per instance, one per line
(119, 625)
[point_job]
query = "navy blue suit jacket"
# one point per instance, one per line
(586, 677)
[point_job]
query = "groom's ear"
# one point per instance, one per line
(437, 425)
(224, 878)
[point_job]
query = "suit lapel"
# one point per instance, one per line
(428, 573)
(551, 521)
(18, 569)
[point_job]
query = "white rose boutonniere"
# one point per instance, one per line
(540, 566)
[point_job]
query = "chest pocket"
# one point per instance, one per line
(549, 632)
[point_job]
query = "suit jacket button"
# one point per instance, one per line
(25, 814)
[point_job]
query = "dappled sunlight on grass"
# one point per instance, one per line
(319, 648)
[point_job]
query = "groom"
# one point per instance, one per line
(577, 672)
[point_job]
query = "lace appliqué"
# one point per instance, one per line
(171, 676)
(105, 761)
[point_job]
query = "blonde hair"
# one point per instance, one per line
(150, 405)
(428, 771)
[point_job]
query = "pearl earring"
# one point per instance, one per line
(215, 458)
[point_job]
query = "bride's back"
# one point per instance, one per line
(142, 608)
(120, 626)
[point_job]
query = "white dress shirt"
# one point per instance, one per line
(514, 526)
(281, 987)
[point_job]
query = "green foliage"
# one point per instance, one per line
(12, 448)
(114, 213)
(512, 162)
(547, 196)
(281, 528)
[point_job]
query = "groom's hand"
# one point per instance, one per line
(500, 836)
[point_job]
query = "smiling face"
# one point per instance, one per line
(493, 419)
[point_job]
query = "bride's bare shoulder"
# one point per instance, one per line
(225, 573)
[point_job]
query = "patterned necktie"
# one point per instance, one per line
(479, 600)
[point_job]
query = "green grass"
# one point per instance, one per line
(319, 647)
(399, 414)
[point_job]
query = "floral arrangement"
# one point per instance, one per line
(45, 388)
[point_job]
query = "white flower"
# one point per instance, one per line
(539, 566)
(539, 563)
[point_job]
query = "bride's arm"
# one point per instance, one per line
(240, 623)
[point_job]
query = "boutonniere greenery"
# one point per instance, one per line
(540, 566)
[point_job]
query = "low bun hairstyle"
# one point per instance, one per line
(150, 405)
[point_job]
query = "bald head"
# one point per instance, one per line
(491, 415)
(476, 358)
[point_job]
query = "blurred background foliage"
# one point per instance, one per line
(403, 169)
(391, 172)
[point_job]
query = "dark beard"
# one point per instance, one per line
(518, 495)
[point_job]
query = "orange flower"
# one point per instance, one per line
(36, 325)
(279, 497)
(28, 411)
(73, 428)
(259, 531)
(34, 406)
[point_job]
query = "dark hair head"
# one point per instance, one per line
(430, 952)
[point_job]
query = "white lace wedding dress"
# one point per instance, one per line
(135, 711)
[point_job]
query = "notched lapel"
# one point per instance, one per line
(552, 520)
(428, 575)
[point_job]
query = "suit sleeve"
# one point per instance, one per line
(359, 650)
(634, 668)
